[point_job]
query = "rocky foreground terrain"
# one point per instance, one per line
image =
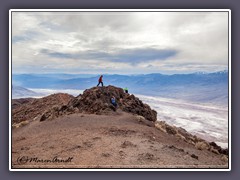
(87, 131)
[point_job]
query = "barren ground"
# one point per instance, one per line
(104, 141)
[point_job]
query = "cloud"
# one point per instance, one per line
(27, 36)
(58, 54)
(129, 56)
(135, 56)
(149, 41)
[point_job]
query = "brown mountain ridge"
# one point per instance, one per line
(87, 131)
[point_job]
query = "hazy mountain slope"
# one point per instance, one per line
(200, 87)
(19, 92)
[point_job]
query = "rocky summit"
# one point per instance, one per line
(97, 100)
(96, 134)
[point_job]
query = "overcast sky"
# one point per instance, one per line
(119, 42)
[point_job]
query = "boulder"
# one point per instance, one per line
(219, 149)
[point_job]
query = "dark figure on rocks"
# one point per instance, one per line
(113, 101)
(100, 80)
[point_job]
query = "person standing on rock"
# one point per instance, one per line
(100, 80)
(125, 90)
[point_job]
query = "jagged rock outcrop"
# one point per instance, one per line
(97, 101)
(30, 109)
(199, 143)
(18, 102)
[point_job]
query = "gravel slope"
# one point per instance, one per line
(104, 141)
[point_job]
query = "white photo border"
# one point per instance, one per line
(119, 10)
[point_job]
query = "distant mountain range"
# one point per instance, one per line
(20, 92)
(200, 87)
